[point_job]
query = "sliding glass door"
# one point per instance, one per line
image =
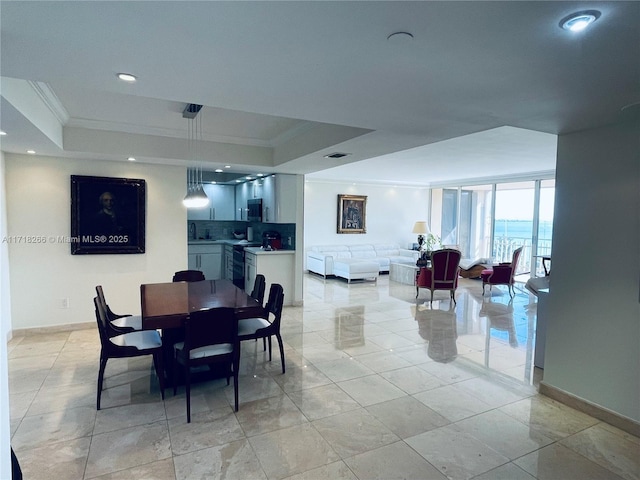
(513, 224)
(492, 220)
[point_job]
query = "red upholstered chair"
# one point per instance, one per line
(502, 274)
(442, 274)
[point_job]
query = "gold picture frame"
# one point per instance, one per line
(352, 213)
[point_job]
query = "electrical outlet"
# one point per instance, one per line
(64, 303)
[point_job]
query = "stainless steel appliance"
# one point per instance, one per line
(238, 263)
(254, 210)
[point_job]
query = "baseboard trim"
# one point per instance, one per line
(601, 413)
(67, 327)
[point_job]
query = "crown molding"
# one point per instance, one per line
(51, 100)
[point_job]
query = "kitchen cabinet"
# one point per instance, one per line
(207, 259)
(221, 204)
(277, 267)
(242, 195)
(279, 199)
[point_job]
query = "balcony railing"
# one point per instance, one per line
(503, 248)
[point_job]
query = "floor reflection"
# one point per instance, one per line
(438, 327)
(492, 331)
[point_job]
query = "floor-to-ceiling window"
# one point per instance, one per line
(513, 224)
(545, 226)
(492, 220)
(475, 221)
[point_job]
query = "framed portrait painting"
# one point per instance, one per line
(107, 215)
(352, 211)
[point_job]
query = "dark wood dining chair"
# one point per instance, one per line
(188, 276)
(211, 338)
(123, 323)
(125, 345)
(268, 324)
(259, 287)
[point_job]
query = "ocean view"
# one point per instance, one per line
(522, 229)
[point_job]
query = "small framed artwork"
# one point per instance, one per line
(107, 215)
(352, 211)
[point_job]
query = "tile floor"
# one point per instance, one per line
(378, 386)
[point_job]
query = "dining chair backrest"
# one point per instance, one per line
(104, 327)
(273, 308)
(100, 294)
(259, 287)
(210, 327)
(188, 276)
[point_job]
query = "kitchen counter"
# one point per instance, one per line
(228, 241)
(260, 251)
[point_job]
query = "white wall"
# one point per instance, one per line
(5, 328)
(593, 332)
(38, 203)
(390, 215)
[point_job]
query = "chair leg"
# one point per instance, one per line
(269, 347)
(431, 296)
(264, 344)
(417, 291)
(235, 389)
(159, 366)
(453, 297)
(175, 376)
(103, 364)
(187, 384)
(281, 350)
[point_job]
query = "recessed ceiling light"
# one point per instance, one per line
(227, 166)
(2, 132)
(127, 77)
(31, 152)
(578, 21)
(132, 159)
(218, 170)
(213, 182)
(259, 175)
(238, 180)
(248, 178)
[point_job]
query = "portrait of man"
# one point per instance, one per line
(106, 219)
(108, 215)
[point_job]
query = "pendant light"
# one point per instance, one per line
(196, 196)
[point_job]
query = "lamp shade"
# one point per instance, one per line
(196, 197)
(421, 228)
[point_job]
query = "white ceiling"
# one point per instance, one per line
(480, 91)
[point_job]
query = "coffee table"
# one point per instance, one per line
(403, 273)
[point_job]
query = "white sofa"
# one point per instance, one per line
(351, 259)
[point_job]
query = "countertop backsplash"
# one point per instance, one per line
(223, 230)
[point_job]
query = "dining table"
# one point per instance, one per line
(166, 306)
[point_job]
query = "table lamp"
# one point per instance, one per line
(421, 229)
